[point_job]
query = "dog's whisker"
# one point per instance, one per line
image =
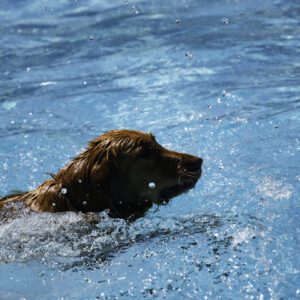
(191, 174)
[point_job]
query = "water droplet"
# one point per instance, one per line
(28, 69)
(63, 191)
(120, 202)
(84, 82)
(225, 21)
(147, 28)
(79, 181)
(151, 185)
(91, 37)
(135, 10)
(84, 203)
(178, 21)
(189, 55)
(53, 204)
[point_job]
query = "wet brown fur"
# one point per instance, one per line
(114, 173)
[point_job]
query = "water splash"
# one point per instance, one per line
(94, 237)
(275, 189)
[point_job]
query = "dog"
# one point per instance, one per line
(122, 171)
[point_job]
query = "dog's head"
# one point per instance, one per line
(136, 171)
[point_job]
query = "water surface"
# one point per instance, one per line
(218, 79)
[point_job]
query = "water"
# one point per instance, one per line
(216, 79)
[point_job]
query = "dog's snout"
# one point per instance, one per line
(191, 163)
(197, 164)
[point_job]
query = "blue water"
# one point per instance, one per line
(218, 79)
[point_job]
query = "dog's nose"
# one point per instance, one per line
(199, 162)
(192, 163)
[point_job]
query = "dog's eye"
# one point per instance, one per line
(146, 151)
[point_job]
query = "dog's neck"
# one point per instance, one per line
(55, 196)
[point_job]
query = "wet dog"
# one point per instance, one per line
(124, 171)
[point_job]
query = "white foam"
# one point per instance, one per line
(205, 71)
(8, 105)
(243, 236)
(45, 83)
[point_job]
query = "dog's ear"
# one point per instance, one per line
(105, 164)
(113, 156)
(100, 170)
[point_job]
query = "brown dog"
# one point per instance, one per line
(123, 171)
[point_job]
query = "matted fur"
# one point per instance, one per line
(114, 173)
